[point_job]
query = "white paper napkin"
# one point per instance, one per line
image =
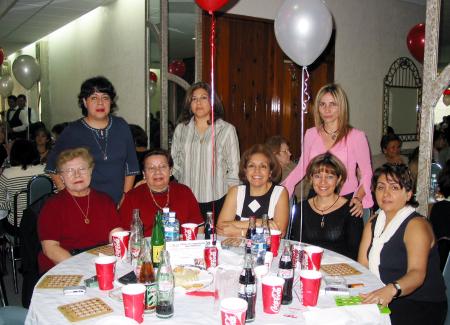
(345, 315)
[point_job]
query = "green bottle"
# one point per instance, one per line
(157, 240)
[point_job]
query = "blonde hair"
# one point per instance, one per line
(340, 98)
(70, 154)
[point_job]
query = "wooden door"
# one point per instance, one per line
(259, 86)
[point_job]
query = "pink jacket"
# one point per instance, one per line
(353, 151)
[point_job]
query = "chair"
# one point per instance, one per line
(446, 275)
(38, 187)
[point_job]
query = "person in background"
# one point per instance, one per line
(327, 221)
(413, 165)
(24, 160)
(78, 217)
(57, 129)
(43, 143)
(192, 151)
(399, 247)
(107, 137)
(140, 139)
(4, 148)
(260, 171)
(20, 118)
(391, 146)
(333, 133)
(158, 193)
(439, 144)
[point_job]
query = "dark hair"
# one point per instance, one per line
(158, 152)
(59, 128)
(386, 139)
(22, 96)
(23, 153)
(96, 84)
(187, 114)
(47, 133)
(444, 180)
(275, 168)
(330, 164)
(139, 136)
(12, 97)
(274, 143)
(398, 173)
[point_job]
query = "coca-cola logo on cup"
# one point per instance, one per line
(276, 299)
(188, 234)
(231, 319)
(116, 243)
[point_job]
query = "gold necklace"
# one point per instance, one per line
(85, 215)
(156, 203)
(322, 222)
(333, 134)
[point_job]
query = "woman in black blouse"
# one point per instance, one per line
(327, 221)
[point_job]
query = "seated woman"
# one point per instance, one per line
(24, 160)
(327, 221)
(390, 152)
(78, 217)
(399, 247)
(259, 170)
(43, 143)
(157, 193)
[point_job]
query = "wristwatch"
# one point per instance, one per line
(399, 289)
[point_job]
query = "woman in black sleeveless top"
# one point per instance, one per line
(399, 247)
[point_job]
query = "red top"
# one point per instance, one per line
(61, 220)
(181, 201)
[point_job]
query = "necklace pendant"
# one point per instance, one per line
(322, 223)
(105, 156)
(333, 137)
(87, 221)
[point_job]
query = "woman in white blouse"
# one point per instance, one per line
(192, 149)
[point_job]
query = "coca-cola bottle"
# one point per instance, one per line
(209, 225)
(166, 283)
(266, 231)
(135, 242)
(211, 253)
(147, 277)
(247, 287)
(286, 272)
(251, 231)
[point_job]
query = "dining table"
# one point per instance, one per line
(198, 308)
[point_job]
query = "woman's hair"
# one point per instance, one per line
(59, 128)
(158, 152)
(187, 114)
(274, 143)
(330, 164)
(386, 139)
(140, 138)
(444, 180)
(47, 133)
(23, 153)
(275, 168)
(97, 84)
(70, 154)
(399, 174)
(340, 98)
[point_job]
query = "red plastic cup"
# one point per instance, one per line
(105, 267)
(313, 256)
(120, 241)
(272, 293)
(133, 301)
(190, 231)
(275, 237)
(310, 285)
(233, 311)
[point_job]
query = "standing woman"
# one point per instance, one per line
(192, 153)
(107, 137)
(333, 133)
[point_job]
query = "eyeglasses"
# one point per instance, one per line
(72, 172)
(98, 99)
(154, 169)
(199, 99)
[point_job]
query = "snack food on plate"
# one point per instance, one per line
(186, 276)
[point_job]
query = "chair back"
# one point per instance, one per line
(38, 187)
(446, 275)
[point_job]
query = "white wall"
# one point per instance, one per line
(370, 35)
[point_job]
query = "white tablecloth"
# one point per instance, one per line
(188, 309)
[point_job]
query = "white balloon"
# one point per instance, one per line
(303, 29)
(26, 70)
(6, 85)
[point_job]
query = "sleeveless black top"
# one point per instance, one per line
(394, 263)
(255, 205)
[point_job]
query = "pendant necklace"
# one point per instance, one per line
(85, 215)
(333, 134)
(322, 222)
(103, 134)
(156, 203)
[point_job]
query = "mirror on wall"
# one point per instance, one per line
(402, 100)
(444, 35)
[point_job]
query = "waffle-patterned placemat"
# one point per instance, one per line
(105, 250)
(85, 309)
(59, 281)
(342, 269)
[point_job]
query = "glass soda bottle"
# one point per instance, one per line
(259, 247)
(211, 253)
(147, 277)
(247, 287)
(172, 228)
(157, 240)
(286, 271)
(135, 242)
(166, 284)
(209, 225)
(266, 231)
(251, 231)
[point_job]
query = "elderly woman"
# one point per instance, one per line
(158, 193)
(390, 146)
(399, 247)
(259, 171)
(78, 217)
(327, 221)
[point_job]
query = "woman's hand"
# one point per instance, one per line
(381, 296)
(228, 229)
(356, 207)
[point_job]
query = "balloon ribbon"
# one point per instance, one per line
(212, 54)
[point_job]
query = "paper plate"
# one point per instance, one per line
(116, 320)
(203, 280)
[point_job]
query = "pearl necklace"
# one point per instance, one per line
(156, 203)
(322, 222)
(85, 215)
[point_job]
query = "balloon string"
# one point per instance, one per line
(302, 138)
(213, 149)
(305, 90)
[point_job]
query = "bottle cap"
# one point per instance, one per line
(165, 210)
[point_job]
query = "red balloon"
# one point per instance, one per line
(416, 41)
(211, 5)
(177, 67)
(2, 56)
(152, 76)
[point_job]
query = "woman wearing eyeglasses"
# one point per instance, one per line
(158, 193)
(192, 150)
(78, 217)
